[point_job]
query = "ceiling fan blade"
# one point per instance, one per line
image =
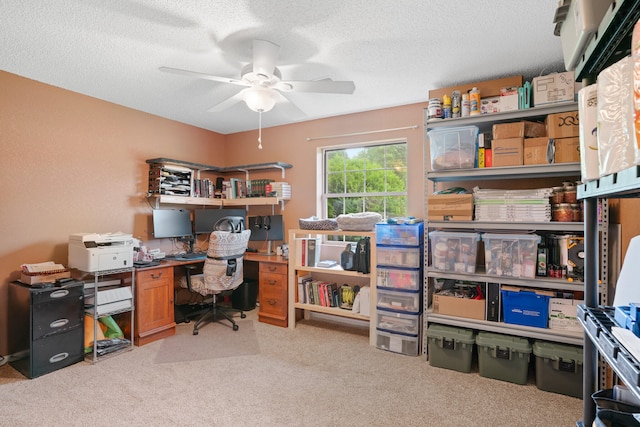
(317, 86)
(286, 106)
(203, 76)
(232, 100)
(265, 55)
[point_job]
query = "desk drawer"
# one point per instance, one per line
(273, 294)
(273, 267)
(154, 274)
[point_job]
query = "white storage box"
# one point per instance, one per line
(454, 251)
(398, 323)
(399, 256)
(397, 343)
(453, 148)
(398, 278)
(513, 255)
(402, 301)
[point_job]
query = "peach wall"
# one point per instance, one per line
(71, 163)
(289, 144)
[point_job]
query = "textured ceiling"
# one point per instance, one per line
(394, 51)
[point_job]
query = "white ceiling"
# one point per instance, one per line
(394, 50)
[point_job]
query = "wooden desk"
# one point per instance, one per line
(272, 275)
(155, 314)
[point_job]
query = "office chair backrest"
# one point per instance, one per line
(232, 224)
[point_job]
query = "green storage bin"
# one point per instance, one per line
(503, 357)
(558, 368)
(450, 347)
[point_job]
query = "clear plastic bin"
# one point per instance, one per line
(398, 278)
(399, 256)
(454, 251)
(453, 148)
(398, 343)
(399, 234)
(513, 255)
(399, 323)
(402, 301)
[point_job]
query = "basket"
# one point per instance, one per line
(363, 221)
(314, 223)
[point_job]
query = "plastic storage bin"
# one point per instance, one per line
(454, 251)
(503, 357)
(453, 148)
(399, 234)
(525, 308)
(558, 368)
(513, 255)
(398, 323)
(399, 256)
(398, 278)
(399, 301)
(450, 347)
(398, 343)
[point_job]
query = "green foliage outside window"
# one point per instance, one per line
(366, 178)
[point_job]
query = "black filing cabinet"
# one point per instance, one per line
(46, 330)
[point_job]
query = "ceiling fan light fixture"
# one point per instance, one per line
(260, 99)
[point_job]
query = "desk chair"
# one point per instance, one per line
(222, 272)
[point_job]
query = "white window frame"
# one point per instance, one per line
(321, 184)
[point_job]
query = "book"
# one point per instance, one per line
(327, 263)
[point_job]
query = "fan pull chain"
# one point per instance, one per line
(260, 130)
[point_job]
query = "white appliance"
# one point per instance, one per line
(100, 252)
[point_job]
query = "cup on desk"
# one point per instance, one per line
(279, 250)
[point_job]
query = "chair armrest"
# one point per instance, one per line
(189, 269)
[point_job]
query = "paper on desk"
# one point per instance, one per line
(43, 267)
(628, 340)
(628, 285)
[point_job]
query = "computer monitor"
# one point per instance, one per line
(266, 228)
(169, 223)
(207, 220)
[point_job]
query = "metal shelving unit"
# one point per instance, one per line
(524, 172)
(596, 319)
(93, 312)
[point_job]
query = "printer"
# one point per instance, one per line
(92, 252)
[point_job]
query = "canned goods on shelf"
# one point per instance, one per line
(562, 212)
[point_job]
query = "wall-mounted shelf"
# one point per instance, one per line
(227, 169)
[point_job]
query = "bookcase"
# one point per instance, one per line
(330, 250)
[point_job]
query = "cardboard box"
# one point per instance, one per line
(44, 278)
(522, 129)
(562, 314)
(509, 99)
(536, 151)
(507, 152)
(563, 125)
(567, 150)
(552, 88)
(490, 105)
(453, 207)
(487, 88)
(460, 307)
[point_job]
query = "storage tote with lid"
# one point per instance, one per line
(558, 368)
(453, 147)
(450, 347)
(503, 357)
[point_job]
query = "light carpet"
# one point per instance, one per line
(214, 340)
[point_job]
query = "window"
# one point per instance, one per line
(368, 177)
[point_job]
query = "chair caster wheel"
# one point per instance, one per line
(235, 327)
(195, 332)
(242, 315)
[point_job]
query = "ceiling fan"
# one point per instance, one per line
(263, 84)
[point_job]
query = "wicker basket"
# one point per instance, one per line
(315, 223)
(363, 221)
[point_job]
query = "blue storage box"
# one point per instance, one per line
(526, 307)
(399, 278)
(399, 234)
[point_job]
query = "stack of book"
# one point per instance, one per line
(307, 251)
(512, 205)
(279, 189)
(170, 179)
